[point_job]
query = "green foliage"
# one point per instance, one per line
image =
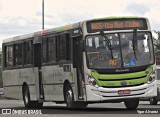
(157, 54)
(156, 42)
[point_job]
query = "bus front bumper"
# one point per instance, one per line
(104, 94)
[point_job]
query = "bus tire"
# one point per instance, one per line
(69, 97)
(131, 103)
(26, 99)
(153, 101)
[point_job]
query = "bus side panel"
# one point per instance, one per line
(28, 75)
(12, 88)
(53, 81)
(58, 83)
(14, 79)
(70, 75)
(48, 82)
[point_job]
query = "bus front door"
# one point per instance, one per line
(37, 67)
(78, 64)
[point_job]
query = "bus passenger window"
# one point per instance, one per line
(68, 48)
(44, 50)
(28, 52)
(18, 52)
(64, 47)
(9, 56)
(51, 49)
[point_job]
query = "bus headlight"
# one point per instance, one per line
(92, 81)
(152, 77)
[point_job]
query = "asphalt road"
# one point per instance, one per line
(51, 109)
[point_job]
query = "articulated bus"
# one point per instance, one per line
(103, 60)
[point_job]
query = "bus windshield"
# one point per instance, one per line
(125, 51)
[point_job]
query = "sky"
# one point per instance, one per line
(18, 17)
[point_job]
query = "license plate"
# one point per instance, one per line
(124, 92)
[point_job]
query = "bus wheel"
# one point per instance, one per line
(69, 99)
(26, 97)
(27, 102)
(131, 103)
(153, 101)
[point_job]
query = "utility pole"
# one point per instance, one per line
(42, 14)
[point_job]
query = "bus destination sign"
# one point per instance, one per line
(116, 24)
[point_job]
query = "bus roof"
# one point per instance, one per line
(117, 17)
(62, 28)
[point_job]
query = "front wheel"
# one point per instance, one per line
(27, 102)
(26, 97)
(153, 101)
(131, 103)
(69, 99)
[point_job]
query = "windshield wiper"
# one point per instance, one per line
(107, 42)
(135, 42)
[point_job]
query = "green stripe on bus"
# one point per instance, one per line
(131, 78)
(128, 82)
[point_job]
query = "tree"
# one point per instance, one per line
(156, 42)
